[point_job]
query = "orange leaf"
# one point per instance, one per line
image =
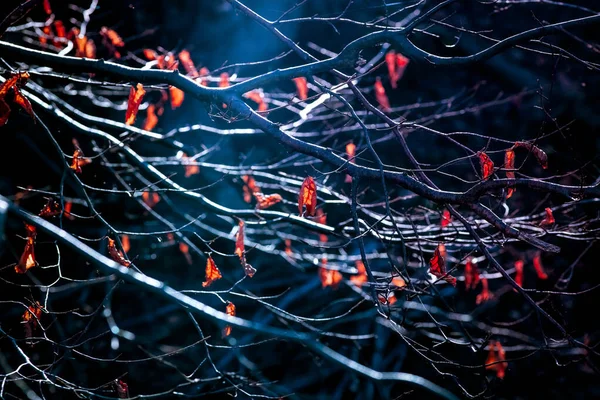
(27, 259)
(308, 197)
(204, 72)
(133, 103)
(31, 319)
(509, 165)
(471, 274)
(112, 36)
(398, 282)
(250, 187)
(167, 61)
(224, 82)
(549, 218)
(239, 240)
(188, 64)
(445, 219)
(288, 247)
(257, 97)
(487, 165)
(387, 299)
(266, 201)
(67, 211)
(537, 265)
(496, 359)
(150, 54)
(185, 249)
(116, 254)
(229, 310)
(437, 265)
(360, 278)
(212, 272)
(329, 277)
(177, 96)
(380, 95)
(90, 49)
(151, 199)
(301, 87)
(125, 243)
(18, 79)
(351, 151)
(539, 154)
(190, 169)
(151, 118)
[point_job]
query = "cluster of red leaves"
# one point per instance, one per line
(13, 84)
(240, 250)
(437, 265)
(31, 319)
(112, 41)
(116, 254)
(380, 95)
(212, 272)
(496, 359)
(396, 64)
(229, 310)
(79, 160)
(190, 169)
(301, 87)
(487, 165)
(329, 277)
(136, 95)
(27, 259)
(308, 197)
(258, 97)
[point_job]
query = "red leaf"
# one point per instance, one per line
(150, 54)
(308, 197)
(471, 274)
(485, 294)
(266, 201)
(538, 153)
(487, 165)
(549, 218)
(446, 219)
(539, 269)
(351, 151)
(288, 247)
(151, 199)
(390, 61)
(257, 97)
(27, 259)
(51, 209)
(125, 243)
(78, 158)
(116, 254)
(18, 79)
(177, 96)
(496, 359)
(437, 265)
(47, 7)
(122, 389)
(212, 272)
(239, 241)
(509, 165)
(229, 310)
(301, 87)
(112, 37)
(519, 264)
(23, 102)
(380, 95)
(136, 96)
(250, 187)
